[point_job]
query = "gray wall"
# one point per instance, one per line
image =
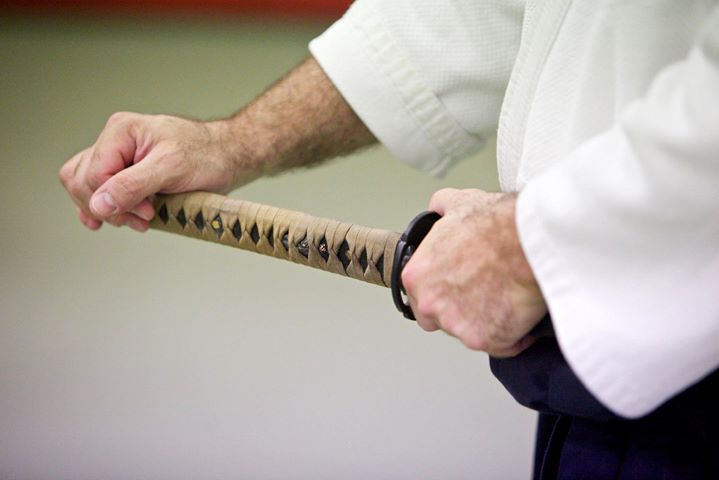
(128, 356)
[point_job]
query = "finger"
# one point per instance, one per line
(127, 190)
(144, 210)
(114, 150)
(442, 200)
(138, 224)
(87, 220)
(83, 213)
(426, 322)
(130, 220)
(72, 178)
(67, 171)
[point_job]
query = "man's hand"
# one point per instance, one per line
(302, 120)
(469, 276)
(136, 156)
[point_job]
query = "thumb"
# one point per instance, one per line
(125, 190)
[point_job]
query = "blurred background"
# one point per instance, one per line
(129, 356)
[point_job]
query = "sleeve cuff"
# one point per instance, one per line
(576, 316)
(373, 74)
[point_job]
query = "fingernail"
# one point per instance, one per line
(143, 214)
(104, 204)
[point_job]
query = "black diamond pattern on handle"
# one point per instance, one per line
(199, 221)
(363, 260)
(217, 226)
(162, 213)
(324, 249)
(343, 254)
(237, 230)
(356, 254)
(181, 219)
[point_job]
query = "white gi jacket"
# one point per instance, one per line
(608, 123)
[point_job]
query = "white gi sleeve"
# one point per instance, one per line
(426, 77)
(623, 237)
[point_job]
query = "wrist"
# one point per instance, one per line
(507, 213)
(241, 155)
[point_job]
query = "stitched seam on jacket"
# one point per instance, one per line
(434, 120)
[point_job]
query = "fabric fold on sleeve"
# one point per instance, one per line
(623, 238)
(428, 108)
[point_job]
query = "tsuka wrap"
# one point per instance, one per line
(351, 250)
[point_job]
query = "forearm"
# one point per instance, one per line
(299, 121)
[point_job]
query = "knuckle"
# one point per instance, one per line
(427, 306)
(65, 173)
(117, 118)
(440, 194)
(475, 342)
(94, 178)
(409, 276)
(433, 304)
(68, 169)
(426, 325)
(74, 188)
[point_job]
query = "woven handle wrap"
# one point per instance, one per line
(351, 250)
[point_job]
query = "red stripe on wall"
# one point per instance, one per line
(284, 8)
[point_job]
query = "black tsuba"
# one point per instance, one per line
(407, 245)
